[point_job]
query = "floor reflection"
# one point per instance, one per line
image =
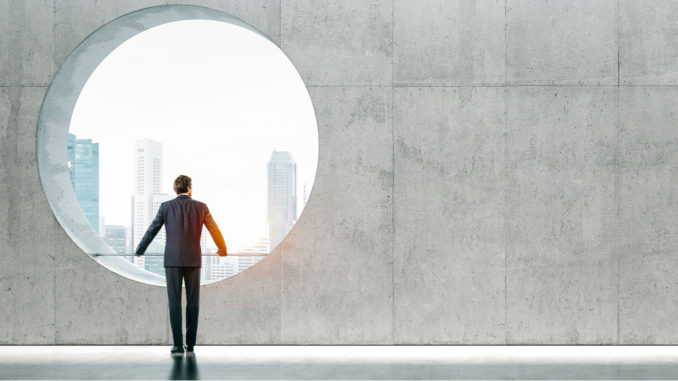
(184, 367)
(345, 363)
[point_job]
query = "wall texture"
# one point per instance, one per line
(491, 172)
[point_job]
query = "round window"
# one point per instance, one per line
(206, 97)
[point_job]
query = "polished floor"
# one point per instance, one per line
(341, 362)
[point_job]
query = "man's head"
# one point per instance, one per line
(182, 184)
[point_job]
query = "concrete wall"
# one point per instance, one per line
(491, 172)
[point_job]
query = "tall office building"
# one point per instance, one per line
(147, 181)
(130, 232)
(83, 157)
(148, 166)
(157, 264)
(220, 268)
(158, 199)
(129, 241)
(206, 270)
(203, 240)
(115, 237)
(217, 268)
(253, 246)
(281, 211)
(212, 267)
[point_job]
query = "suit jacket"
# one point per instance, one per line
(183, 218)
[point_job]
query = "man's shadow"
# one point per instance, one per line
(184, 367)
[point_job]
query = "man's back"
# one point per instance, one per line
(183, 218)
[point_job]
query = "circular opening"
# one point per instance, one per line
(211, 99)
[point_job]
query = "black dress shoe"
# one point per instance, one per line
(177, 350)
(188, 349)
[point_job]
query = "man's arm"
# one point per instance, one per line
(152, 231)
(215, 233)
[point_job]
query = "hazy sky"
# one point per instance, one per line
(219, 98)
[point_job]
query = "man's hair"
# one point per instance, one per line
(181, 184)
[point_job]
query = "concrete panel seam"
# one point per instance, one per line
(280, 308)
(54, 296)
(54, 326)
(393, 171)
(280, 270)
(508, 85)
(443, 86)
(416, 86)
(658, 86)
(618, 171)
(396, 85)
(342, 86)
(505, 191)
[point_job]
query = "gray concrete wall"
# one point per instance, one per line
(491, 172)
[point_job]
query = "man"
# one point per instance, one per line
(183, 218)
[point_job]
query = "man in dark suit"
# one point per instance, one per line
(183, 218)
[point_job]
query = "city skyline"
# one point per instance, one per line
(217, 125)
(145, 203)
(281, 206)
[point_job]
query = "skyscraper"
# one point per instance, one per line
(253, 246)
(221, 269)
(206, 270)
(129, 241)
(84, 170)
(218, 268)
(130, 233)
(203, 240)
(158, 199)
(115, 238)
(148, 165)
(207, 262)
(281, 211)
(157, 264)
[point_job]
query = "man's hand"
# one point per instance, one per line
(135, 253)
(222, 253)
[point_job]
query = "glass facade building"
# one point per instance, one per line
(115, 238)
(148, 177)
(253, 246)
(83, 164)
(281, 208)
